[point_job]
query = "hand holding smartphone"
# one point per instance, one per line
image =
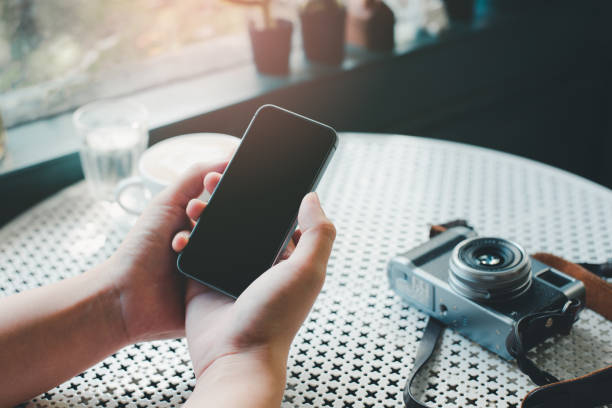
(252, 213)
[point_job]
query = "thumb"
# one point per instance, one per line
(318, 234)
(278, 301)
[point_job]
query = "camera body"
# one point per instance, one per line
(479, 286)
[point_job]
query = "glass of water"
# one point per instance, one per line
(113, 135)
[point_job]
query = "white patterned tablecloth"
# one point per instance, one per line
(358, 344)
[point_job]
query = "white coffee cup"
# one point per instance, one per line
(164, 163)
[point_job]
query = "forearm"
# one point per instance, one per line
(241, 381)
(50, 334)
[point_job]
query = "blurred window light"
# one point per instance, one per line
(59, 54)
(56, 55)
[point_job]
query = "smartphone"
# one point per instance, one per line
(252, 213)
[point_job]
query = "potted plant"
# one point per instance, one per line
(370, 25)
(270, 40)
(323, 30)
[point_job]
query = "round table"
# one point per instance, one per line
(359, 342)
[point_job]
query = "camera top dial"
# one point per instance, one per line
(489, 269)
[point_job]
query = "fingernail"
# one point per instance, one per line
(319, 205)
(316, 196)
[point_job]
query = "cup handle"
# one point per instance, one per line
(132, 182)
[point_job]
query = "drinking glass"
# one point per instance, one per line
(113, 135)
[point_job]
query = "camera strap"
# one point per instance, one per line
(590, 390)
(598, 291)
(427, 345)
(530, 327)
(586, 391)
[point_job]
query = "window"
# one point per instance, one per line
(58, 54)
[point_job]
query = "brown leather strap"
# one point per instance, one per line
(591, 390)
(598, 291)
(440, 228)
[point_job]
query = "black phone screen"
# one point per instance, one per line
(255, 205)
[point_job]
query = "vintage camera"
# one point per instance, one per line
(480, 286)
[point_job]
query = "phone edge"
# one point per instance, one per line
(206, 284)
(322, 170)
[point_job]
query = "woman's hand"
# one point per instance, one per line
(54, 332)
(143, 269)
(239, 348)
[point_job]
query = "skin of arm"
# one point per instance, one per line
(239, 348)
(253, 381)
(49, 334)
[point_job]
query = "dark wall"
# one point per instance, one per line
(563, 124)
(554, 104)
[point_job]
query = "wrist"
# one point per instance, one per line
(108, 301)
(151, 298)
(255, 378)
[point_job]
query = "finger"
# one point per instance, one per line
(296, 236)
(195, 208)
(317, 234)
(288, 251)
(180, 241)
(191, 184)
(290, 248)
(211, 180)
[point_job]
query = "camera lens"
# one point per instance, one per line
(490, 259)
(488, 269)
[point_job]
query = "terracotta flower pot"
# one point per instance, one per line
(323, 34)
(370, 24)
(271, 47)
